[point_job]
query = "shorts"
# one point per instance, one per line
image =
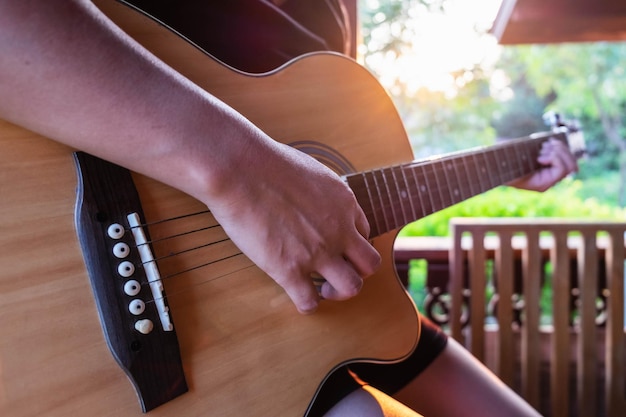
(388, 378)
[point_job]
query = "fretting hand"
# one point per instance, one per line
(558, 163)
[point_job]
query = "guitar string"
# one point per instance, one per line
(430, 167)
(184, 216)
(426, 167)
(204, 282)
(175, 274)
(188, 250)
(178, 235)
(512, 165)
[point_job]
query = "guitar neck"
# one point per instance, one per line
(395, 196)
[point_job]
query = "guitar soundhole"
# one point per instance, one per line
(326, 155)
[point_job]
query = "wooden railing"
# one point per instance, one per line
(584, 264)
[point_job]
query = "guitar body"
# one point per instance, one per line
(244, 348)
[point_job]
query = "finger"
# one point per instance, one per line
(567, 158)
(558, 161)
(302, 293)
(362, 254)
(342, 280)
(362, 225)
(363, 257)
(557, 150)
(563, 162)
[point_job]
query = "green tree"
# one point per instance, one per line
(523, 113)
(437, 122)
(582, 81)
(589, 82)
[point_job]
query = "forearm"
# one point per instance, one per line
(71, 75)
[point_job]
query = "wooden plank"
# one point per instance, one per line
(505, 354)
(589, 243)
(559, 362)
(539, 21)
(586, 354)
(531, 261)
(477, 287)
(614, 346)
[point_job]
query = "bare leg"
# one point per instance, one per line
(457, 384)
(369, 402)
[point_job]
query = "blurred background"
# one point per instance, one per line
(457, 87)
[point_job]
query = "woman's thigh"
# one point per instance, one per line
(457, 384)
(367, 401)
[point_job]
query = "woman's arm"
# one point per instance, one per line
(70, 74)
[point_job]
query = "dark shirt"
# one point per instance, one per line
(255, 35)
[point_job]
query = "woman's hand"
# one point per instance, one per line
(294, 218)
(558, 162)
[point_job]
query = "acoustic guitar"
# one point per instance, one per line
(120, 295)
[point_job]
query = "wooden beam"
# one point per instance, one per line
(537, 21)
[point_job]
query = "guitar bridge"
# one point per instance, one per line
(125, 281)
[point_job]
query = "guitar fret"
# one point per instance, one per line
(452, 178)
(393, 198)
(444, 190)
(428, 181)
(419, 190)
(531, 154)
(402, 194)
(384, 204)
(508, 168)
(494, 174)
(499, 161)
(484, 174)
(471, 174)
(441, 205)
(398, 199)
(411, 195)
(498, 156)
(525, 157)
(373, 218)
(461, 181)
(514, 162)
(492, 171)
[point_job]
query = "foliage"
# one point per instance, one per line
(393, 18)
(585, 81)
(438, 125)
(435, 121)
(582, 81)
(523, 113)
(511, 202)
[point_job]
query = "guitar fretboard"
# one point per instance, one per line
(395, 196)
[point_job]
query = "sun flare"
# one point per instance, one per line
(442, 44)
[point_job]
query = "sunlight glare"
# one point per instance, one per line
(443, 44)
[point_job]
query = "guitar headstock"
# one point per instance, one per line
(570, 129)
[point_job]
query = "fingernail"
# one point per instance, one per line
(308, 310)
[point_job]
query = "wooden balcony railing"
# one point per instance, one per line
(581, 263)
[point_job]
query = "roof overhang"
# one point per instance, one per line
(557, 21)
